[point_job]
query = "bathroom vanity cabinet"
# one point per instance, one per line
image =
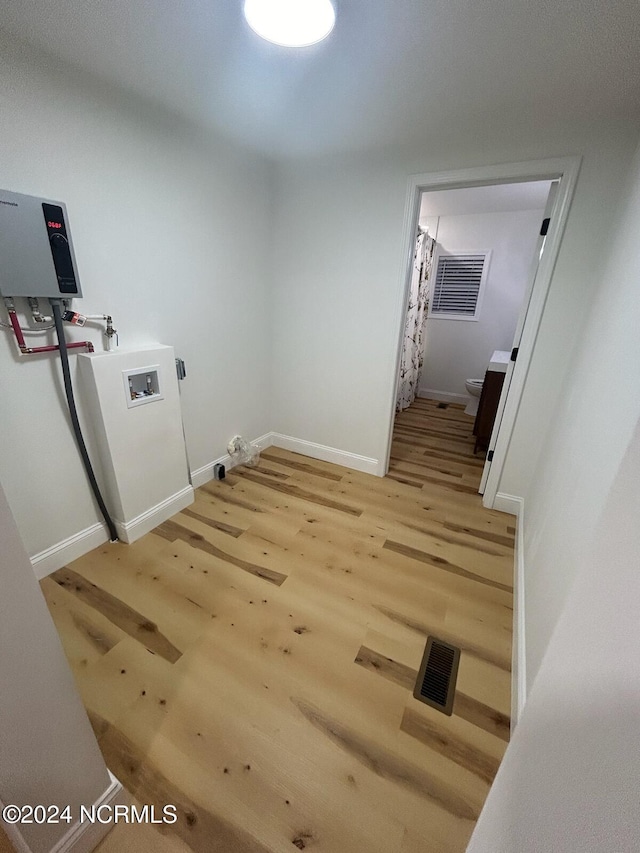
(489, 399)
(487, 408)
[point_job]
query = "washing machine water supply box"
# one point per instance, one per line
(133, 402)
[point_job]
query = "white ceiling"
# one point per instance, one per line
(392, 72)
(501, 198)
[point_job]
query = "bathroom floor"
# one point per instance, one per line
(252, 660)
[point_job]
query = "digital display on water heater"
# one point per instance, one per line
(60, 251)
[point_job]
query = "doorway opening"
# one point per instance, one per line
(480, 247)
(475, 258)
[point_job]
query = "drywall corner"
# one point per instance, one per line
(366, 464)
(69, 549)
(508, 503)
(84, 836)
(204, 474)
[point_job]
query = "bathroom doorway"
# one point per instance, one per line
(480, 254)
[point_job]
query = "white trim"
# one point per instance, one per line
(567, 169)
(51, 559)
(508, 503)
(533, 318)
(265, 441)
(14, 835)
(328, 454)
(80, 837)
(515, 506)
(519, 657)
(443, 396)
(522, 316)
(58, 555)
(129, 531)
(409, 231)
(84, 837)
(204, 474)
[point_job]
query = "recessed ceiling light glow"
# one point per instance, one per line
(292, 23)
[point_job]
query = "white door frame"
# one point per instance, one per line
(564, 168)
(548, 213)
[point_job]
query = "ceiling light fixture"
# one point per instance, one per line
(291, 23)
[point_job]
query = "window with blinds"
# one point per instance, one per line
(457, 286)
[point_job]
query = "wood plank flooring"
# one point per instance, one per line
(252, 660)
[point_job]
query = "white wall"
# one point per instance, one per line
(457, 350)
(329, 331)
(171, 232)
(570, 777)
(592, 423)
(49, 752)
(339, 256)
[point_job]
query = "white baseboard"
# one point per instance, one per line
(129, 531)
(58, 555)
(84, 837)
(81, 837)
(443, 396)
(204, 474)
(12, 831)
(327, 454)
(508, 503)
(515, 506)
(519, 659)
(69, 549)
(81, 543)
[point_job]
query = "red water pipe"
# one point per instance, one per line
(13, 317)
(25, 350)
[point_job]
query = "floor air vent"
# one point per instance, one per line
(436, 684)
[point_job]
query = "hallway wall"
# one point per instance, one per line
(49, 752)
(171, 229)
(592, 425)
(569, 778)
(338, 258)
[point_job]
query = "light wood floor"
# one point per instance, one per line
(252, 660)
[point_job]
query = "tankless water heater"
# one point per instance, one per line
(36, 253)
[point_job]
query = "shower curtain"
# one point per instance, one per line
(414, 340)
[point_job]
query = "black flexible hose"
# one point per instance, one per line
(75, 423)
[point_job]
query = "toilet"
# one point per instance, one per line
(474, 389)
